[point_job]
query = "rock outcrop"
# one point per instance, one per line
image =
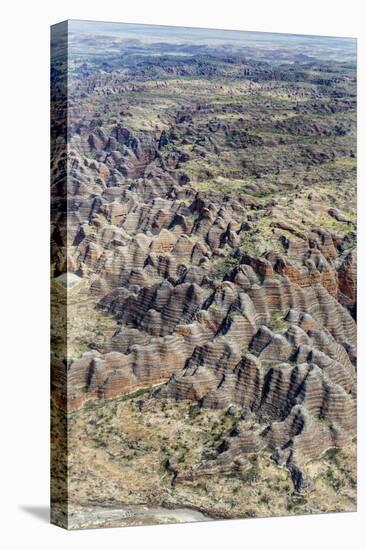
(210, 234)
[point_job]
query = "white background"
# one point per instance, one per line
(24, 234)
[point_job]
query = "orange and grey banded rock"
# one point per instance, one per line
(230, 300)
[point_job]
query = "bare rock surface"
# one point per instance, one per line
(209, 251)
